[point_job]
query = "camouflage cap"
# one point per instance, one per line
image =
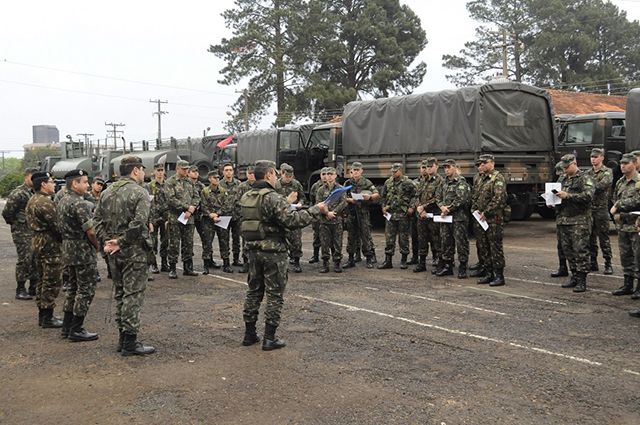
(450, 161)
(636, 153)
(250, 169)
(330, 170)
(597, 152)
(356, 166)
(158, 166)
(182, 164)
(74, 174)
(486, 157)
(266, 162)
(287, 169)
(567, 160)
(193, 168)
(429, 161)
(628, 157)
(214, 173)
(284, 165)
(98, 179)
(397, 166)
(30, 170)
(559, 168)
(478, 162)
(324, 170)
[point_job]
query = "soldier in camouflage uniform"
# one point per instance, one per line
(194, 175)
(46, 244)
(426, 202)
(602, 177)
(316, 223)
(286, 185)
(245, 186)
(182, 197)
(92, 196)
(574, 219)
(490, 201)
(215, 203)
(266, 216)
(358, 220)
(14, 215)
(122, 224)
(331, 224)
(562, 259)
(626, 198)
(231, 185)
(413, 224)
(79, 253)
(454, 199)
(158, 218)
(397, 194)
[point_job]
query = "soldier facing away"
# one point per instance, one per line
(244, 187)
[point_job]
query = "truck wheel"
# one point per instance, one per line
(520, 211)
(546, 213)
(204, 166)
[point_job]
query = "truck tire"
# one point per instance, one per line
(520, 211)
(546, 213)
(204, 166)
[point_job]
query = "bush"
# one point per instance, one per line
(9, 182)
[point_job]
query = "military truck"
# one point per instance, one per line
(632, 132)
(74, 155)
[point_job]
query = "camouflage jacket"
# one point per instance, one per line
(360, 186)
(59, 195)
(200, 187)
(215, 201)
(159, 205)
(626, 198)
(14, 209)
(490, 196)
(123, 214)
(42, 218)
(277, 216)
(244, 187)
(427, 194)
(74, 219)
(577, 205)
(294, 186)
(313, 199)
(457, 194)
(233, 190)
(181, 194)
(603, 181)
(396, 196)
(338, 206)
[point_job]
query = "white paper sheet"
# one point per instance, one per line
(151, 197)
(387, 216)
(183, 219)
(357, 196)
(429, 215)
(441, 219)
(483, 223)
(550, 198)
(635, 212)
(224, 221)
(294, 207)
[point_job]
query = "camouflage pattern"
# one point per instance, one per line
(123, 214)
(46, 245)
(358, 219)
(626, 198)
(481, 248)
(59, 195)
(74, 219)
(197, 216)
(603, 180)
(331, 230)
(316, 223)
(235, 231)
(268, 273)
(14, 215)
(215, 201)
(158, 217)
(489, 197)
(294, 237)
(181, 194)
(396, 198)
(574, 220)
(455, 193)
(428, 231)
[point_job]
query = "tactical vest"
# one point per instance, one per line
(253, 228)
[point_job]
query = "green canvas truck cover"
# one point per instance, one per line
(632, 120)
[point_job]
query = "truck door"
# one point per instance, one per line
(578, 138)
(291, 151)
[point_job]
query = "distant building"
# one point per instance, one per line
(44, 135)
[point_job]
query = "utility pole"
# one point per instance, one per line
(245, 92)
(3, 152)
(86, 141)
(503, 46)
(159, 114)
(114, 134)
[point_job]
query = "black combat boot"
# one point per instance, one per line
(109, 275)
(40, 315)
(634, 313)
(65, 280)
(414, 259)
(315, 258)
(636, 294)
(245, 267)
(350, 262)
(336, 266)
(422, 265)
(164, 266)
(172, 271)
(270, 341)
(475, 266)
(488, 276)
(562, 270)
(214, 265)
(498, 279)
(66, 324)
(132, 347)
(98, 278)
(236, 260)
(357, 259)
(325, 266)
(291, 260)
(21, 292)
(250, 335)
(403, 262)
(49, 321)
(32, 288)
(150, 278)
(626, 288)
(462, 270)
(608, 269)
(77, 333)
(387, 264)
(296, 265)
(187, 267)
(572, 282)
(582, 282)
(154, 267)
(369, 262)
(594, 264)
(446, 270)
(437, 268)
(479, 271)
(226, 266)
(120, 341)
(205, 267)
(374, 260)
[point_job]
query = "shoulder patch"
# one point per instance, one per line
(588, 182)
(462, 187)
(499, 183)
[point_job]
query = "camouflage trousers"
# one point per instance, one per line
(268, 272)
(81, 288)
(358, 226)
(489, 244)
(294, 243)
(415, 242)
(316, 233)
(575, 244)
(130, 283)
(49, 281)
(429, 234)
(331, 241)
(198, 222)
(397, 229)
(629, 245)
(210, 232)
(160, 232)
(455, 237)
(26, 264)
(600, 230)
(180, 241)
(561, 255)
(235, 230)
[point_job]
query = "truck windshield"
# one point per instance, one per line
(578, 132)
(320, 138)
(290, 140)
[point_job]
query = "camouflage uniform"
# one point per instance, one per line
(603, 180)
(457, 194)
(358, 219)
(181, 194)
(215, 201)
(331, 230)
(315, 225)
(47, 248)
(413, 226)
(244, 187)
(396, 199)
(491, 199)
(294, 237)
(626, 197)
(158, 218)
(14, 215)
(78, 253)
(123, 214)
(428, 231)
(233, 189)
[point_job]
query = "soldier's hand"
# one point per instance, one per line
(483, 217)
(420, 209)
(331, 215)
(150, 227)
(562, 194)
(366, 196)
(613, 210)
(292, 197)
(323, 207)
(191, 209)
(187, 214)
(351, 200)
(111, 246)
(216, 219)
(384, 211)
(410, 211)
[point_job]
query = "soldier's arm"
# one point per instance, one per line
(85, 218)
(278, 208)
(98, 221)
(339, 205)
(463, 195)
(605, 182)
(173, 199)
(585, 196)
(499, 199)
(10, 209)
(138, 224)
(302, 198)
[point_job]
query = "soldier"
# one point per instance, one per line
(245, 186)
(331, 224)
(194, 175)
(266, 215)
(478, 269)
(92, 196)
(574, 220)
(602, 177)
(426, 202)
(215, 203)
(413, 224)
(21, 234)
(47, 247)
(125, 236)
(562, 259)
(490, 203)
(158, 218)
(626, 197)
(79, 253)
(453, 199)
(285, 185)
(231, 185)
(316, 223)
(183, 199)
(358, 220)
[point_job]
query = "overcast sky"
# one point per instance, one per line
(55, 55)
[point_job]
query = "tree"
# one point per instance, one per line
(35, 157)
(9, 182)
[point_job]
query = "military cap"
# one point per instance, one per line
(324, 170)
(330, 170)
(214, 173)
(395, 167)
(478, 162)
(450, 162)
(636, 153)
(182, 164)
(430, 161)
(40, 175)
(567, 159)
(98, 179)
(30, 170)
(74, 174)
(486, 157)
(597, 152)
(356, 166)
(559, 168)
(268, 163)
(287, 169)
(193, 168)
(250, 169)
(158, 166)
(628, 157)
(284, 165)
